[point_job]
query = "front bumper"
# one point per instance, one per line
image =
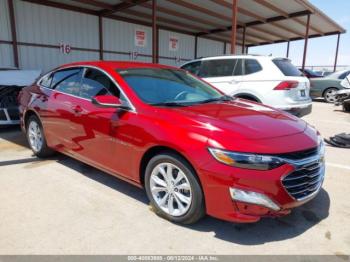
(298, 110)
(9, 116)
(220, 204)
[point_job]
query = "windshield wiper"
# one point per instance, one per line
(174, 104)
(217, 99)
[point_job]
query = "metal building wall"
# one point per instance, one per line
(48, 27)
(6, 51)
(119, 41)
(185, 50)
(238, 49)
(48, 58)
(207, 47)
(41, 29)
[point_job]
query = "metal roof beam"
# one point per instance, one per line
(175, 13)
(95, 3)
(278, 10)
(259, 22)
(295, 39)
(126, 4)
(63, 6)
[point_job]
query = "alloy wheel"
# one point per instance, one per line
(171, 189)
(35, 136)
(330, 95)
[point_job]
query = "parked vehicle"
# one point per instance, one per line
(324, 73)
(269, 80)
(309, 73)
(342, 97)
(195, 150)
(328, 86)
(12, 81)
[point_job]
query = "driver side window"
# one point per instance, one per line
(96, 83)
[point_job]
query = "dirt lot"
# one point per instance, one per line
(61, 206)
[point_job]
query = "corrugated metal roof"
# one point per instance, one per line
(266, 21)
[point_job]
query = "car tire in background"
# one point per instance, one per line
(329, 94)
(346, 106)
(174, 189)
(36, 138)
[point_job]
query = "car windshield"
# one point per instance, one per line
(170, 87)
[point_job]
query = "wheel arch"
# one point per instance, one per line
(248, 96)
(27, 115)
(158, 149)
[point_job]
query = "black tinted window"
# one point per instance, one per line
(287, 68)
(251, 66)
(67, 81)
(217, 68)
(192, 67)
(96, 83)
(342, 76)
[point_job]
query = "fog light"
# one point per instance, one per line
(253, 198)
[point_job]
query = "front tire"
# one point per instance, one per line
(36, 138)
(173, 189)
(329, 95)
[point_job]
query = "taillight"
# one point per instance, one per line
(286, 85)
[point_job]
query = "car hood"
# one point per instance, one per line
(246, 120)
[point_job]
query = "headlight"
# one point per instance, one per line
(244, 160)
(253, 198)
(321, 147)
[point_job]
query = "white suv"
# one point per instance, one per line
(273, 81)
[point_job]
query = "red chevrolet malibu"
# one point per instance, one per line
(194, 150)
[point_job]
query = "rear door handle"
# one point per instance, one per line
(77, 109)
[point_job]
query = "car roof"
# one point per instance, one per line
(117, 64)
(235, 56)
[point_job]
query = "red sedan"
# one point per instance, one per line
(194, 150)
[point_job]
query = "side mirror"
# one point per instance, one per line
(108, 101)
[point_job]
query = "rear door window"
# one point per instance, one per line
(67, 81)
(192, 67)
(251, 66)
(217, 68)
(286, 67)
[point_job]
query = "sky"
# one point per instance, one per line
(321, 51)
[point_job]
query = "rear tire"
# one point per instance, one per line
(346, 106)
(36, 138)
(329, 94)
(173, 189)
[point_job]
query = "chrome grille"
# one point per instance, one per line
(305, 181)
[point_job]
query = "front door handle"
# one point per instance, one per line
(77, 109)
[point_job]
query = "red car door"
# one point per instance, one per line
(95, 140)
(63, 104)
